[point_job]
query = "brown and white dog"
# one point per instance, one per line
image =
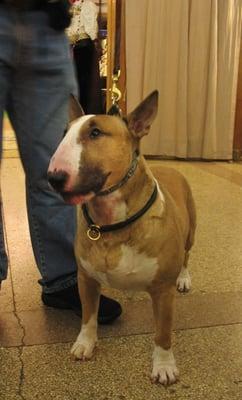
(139, 225)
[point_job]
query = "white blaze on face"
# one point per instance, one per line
(68, 154)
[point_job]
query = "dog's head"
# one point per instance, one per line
(97, 150)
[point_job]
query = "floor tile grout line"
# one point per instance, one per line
(15, 312)
(204, 166)
(179, 299)
(217, 175)
(8, 255)
(20, 347)
(6, 157)
(127, 335)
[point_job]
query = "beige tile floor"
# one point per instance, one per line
(34, 341)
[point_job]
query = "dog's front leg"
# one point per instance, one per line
(164, 368)
(89, 291)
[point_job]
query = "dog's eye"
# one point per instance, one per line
(95, 133)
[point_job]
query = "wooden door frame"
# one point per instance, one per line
(237, 145)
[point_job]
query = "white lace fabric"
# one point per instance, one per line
(84, 21)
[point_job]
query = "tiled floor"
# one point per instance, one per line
(34, 341)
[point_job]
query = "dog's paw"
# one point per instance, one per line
(166, 375)
(183, 282)
(83, 348)
(164, 367)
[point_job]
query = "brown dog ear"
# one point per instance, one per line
(75, 109)
(140, 120)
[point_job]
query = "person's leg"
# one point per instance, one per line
(38, 108)
(3, 254)
(6, 50)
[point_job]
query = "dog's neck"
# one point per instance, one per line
(126, 201)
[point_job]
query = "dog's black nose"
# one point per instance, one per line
(57, 180)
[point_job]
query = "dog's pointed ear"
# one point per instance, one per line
(140, 120)
(75, 109)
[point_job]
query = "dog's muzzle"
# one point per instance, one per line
(57, 180)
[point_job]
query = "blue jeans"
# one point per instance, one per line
(36, 78)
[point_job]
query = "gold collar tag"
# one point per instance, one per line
(93, 232)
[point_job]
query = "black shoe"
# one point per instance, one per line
(68, 299)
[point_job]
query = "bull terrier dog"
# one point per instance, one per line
(135, 224)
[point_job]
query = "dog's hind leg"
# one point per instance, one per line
(183, 282)
(164, 369)
(89, 291)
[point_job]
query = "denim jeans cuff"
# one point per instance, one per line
(59, 285)
(3, 269)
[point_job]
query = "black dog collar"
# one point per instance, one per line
(94, 231)
(128, 175)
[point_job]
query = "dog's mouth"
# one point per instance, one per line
(90, 181)
(85, 192)
(76, 198)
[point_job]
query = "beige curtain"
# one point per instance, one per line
(189, 51)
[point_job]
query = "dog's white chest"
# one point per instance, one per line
(134, 270)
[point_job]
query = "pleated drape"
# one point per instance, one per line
(189, 51)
